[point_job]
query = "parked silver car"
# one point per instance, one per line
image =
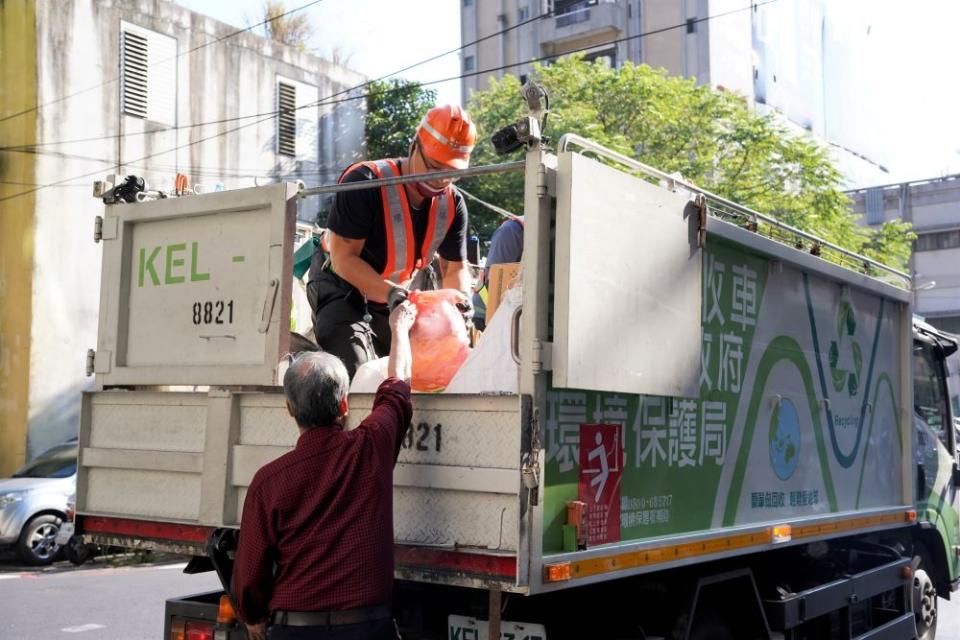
(33, 503)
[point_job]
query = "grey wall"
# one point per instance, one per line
(78, 64)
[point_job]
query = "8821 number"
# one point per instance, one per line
(424, 437)
(213, 312)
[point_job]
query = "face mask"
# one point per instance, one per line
(425, 190)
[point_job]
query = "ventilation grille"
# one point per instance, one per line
(133, 62)
(286, 119)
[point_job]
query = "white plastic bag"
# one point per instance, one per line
(369, 375)
(490, 369)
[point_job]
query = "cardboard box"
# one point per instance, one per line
(502, 277)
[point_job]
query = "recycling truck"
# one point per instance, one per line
(719, 426)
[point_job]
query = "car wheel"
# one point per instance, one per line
(37, 544)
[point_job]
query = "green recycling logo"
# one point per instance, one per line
(846, 357)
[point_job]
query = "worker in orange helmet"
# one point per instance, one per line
(382, 240)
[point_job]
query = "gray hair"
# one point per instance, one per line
(315, 385)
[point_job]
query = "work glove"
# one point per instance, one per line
(465, 307)
(396, 296)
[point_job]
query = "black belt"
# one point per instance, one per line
(331, 618)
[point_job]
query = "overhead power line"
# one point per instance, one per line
(328, 101)
(276, 111)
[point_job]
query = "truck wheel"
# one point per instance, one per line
(708, 626)
(712, 627)
(37, 544)
(924, 601)
(77, 552)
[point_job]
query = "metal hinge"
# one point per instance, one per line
(541, 181)
(105, 229)
(700, 202)
(542, 359)
(530, 470)
(98, 361)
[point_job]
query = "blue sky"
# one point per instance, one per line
(374, 37)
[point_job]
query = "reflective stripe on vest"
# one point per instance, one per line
(402, 258)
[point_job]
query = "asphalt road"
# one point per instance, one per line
(92, 602)
(119, 599)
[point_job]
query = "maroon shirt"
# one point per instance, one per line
(323, 514)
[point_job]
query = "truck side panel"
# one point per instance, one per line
(799, 418)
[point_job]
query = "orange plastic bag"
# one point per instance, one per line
(438, 339)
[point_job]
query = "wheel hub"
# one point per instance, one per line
(43, 541)
(925, 601)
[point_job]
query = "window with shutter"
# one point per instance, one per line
(148, 74)
(133, 77)
(286, 119)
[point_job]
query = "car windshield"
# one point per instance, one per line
(59, 462)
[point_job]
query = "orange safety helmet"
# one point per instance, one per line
(447, 136)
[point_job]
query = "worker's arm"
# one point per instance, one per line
(400, 362)
(457, 276)
(347, 263)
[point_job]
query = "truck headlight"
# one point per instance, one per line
(7, 499)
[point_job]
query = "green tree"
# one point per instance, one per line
(711, 137)
(394, 110)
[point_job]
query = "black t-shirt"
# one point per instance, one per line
(359, 215)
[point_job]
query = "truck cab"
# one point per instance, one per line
(936, 422)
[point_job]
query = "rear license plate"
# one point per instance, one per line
(464, 628)
(65, 533)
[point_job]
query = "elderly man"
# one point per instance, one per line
(315, 557)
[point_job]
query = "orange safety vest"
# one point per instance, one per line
(402, 256)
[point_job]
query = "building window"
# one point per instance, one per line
(691, 25)
(937, 241)
(148, 74)
(286, 119)
(874, 205)
(468, 63)
(523, 13)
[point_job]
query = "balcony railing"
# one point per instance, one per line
(573, 17)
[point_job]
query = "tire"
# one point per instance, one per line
(925, 605)
(708, 625)
(711, 626)
(78, 553)
(36, 545)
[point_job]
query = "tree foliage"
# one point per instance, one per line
(711, 137)
(394, 109)
(294, 30)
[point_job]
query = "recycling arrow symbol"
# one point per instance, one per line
(846, 376)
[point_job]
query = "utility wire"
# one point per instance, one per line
(279, 111)
(503, 212)
(326, 101)
(448, 79)
(158, 62)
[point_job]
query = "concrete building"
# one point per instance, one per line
(93, 87)
(814, 63)
(933, 206)
(608, 30)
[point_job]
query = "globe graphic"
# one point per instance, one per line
(784, 439)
